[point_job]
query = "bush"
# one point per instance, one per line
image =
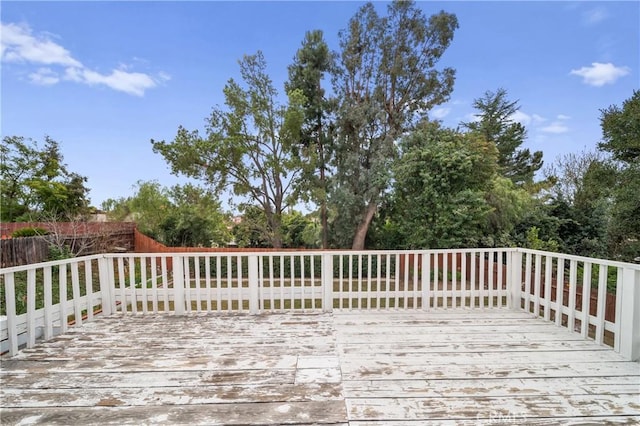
(29, 232)
(59, 253)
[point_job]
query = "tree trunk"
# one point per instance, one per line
(276, 242)
(274, 225)
(323, 182)
(324, 225)
(363, 227)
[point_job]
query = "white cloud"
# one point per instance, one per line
(563, 117)
(440, 113)
(44, 77)
(595, 15)
(538, 119)
(472, 118)
(599, 74)
(556, 127)
(133, 83)
(19, 45)
(520, 117)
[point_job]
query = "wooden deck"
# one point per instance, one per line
(355, 368)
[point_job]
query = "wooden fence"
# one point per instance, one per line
(23, 251)
(81, 239)
(71, 228)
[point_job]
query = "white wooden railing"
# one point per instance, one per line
(43, 300)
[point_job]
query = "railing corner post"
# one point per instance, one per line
(514, 281)
(254, 288)
(178, 285)
(630, 314)
(327, 282)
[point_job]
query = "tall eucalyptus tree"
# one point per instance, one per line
(386, 81)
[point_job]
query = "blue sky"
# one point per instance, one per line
(103, 78)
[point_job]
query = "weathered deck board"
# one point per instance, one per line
(325, 412)
(479, 367)
(171, 395)
(498, 419)
(196, 369)
(359, 368)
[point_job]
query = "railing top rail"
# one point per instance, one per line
(339, 252)
(50, 263)
(286, 252)
(564, 256)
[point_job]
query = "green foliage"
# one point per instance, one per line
(59, 252)
(312, 61)
(385, 232)
(508, 204)
(580, 202)
(148, 207)
(35, 182)
(624, 227)
(621, 138)
(194, 218)
(536, 243)
(253, 230)
(621, 130)
(495, 113)
(301, 231)
(248, 145)
(441, 184)
(298, 230)
(29, 232)
(386, 82)
(178, 216)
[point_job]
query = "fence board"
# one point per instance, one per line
(23, 251)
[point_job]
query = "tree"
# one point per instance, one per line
(296, 230)
(248, 147)
(508, 204)
(621, 130)
(621, 138)
(574, 174)
(386, 82)
(69, 236)
(312, 61)
(496, 124)
(148, 207)
(35, 181)
(441, 186)
(252, 231)
(178, 216)
(195, 219)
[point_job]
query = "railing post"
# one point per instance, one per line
(514, 280)
(178, 285)
(426, 279)
(106, 286)
(10, 300)
(254, 287)
(31, 308)
(630, 314)
(327, 282)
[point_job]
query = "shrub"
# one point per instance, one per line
(29, 232)
(59, 253)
